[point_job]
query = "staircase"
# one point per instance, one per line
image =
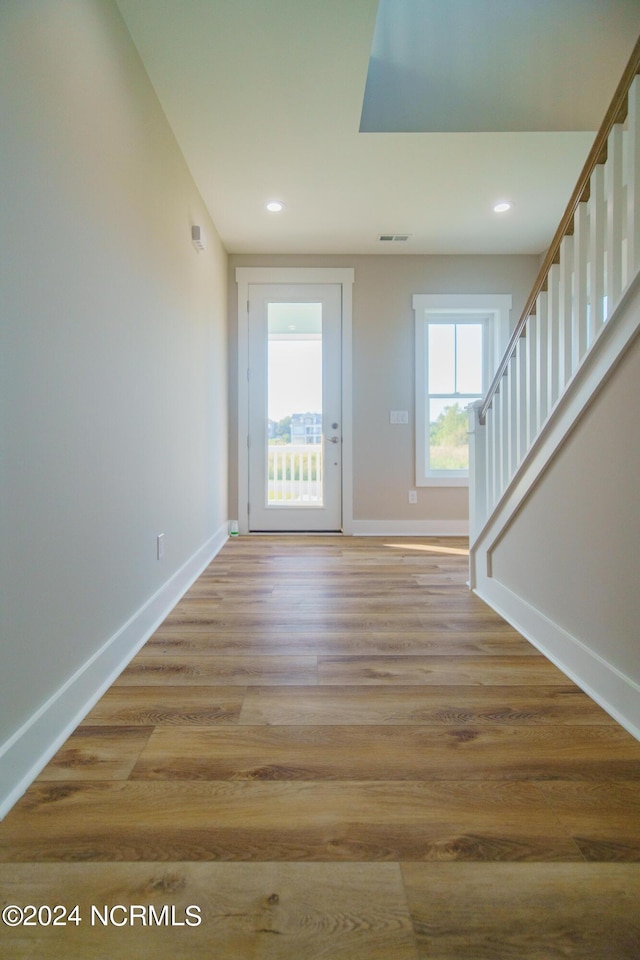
(555, 444)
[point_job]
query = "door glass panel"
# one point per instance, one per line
(294, 405)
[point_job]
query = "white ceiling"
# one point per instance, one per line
(265, 98)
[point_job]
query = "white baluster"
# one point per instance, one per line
(554, 341)
(302, 461)
(297, 467)
(276, 474)
(565, 312)
(633, 180)
(522, 399)
(489, 463)
(513, 414)
(532, 382)
(496, 446)
(505, 445)
(542, 358)
(477, 471)
(597, 233)
(272, 468)
(580, 264)
(614, 192)
(282, 461)
(304, 472)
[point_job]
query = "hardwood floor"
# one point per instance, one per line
(334, 750)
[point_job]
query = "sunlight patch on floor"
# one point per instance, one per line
(430, 548)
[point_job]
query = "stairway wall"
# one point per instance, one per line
(560, 559)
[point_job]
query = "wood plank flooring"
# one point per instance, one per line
(334, 749)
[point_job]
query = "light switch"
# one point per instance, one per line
(399, 416)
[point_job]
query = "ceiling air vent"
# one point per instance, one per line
(394, 237)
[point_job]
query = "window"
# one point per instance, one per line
(455, 367)
(458, 340)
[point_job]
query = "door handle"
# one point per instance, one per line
(333, 439)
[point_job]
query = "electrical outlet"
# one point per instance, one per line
(160, 546)
(413, 496)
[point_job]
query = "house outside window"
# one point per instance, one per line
(306, 428)
(458, 343)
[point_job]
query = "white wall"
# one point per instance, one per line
(383, 374)
(584, 518)
(114, 359)
(560, 558)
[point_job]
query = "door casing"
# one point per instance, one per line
(325, 301)
(245, 276)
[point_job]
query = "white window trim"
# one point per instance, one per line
(494, 310)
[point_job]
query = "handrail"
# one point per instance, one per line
(616, 113)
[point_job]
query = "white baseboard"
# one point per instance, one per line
(611, 689)
(29, 750)
(410, 528)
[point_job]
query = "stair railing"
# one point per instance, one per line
(593, 257)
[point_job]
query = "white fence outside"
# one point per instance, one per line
(295, 474)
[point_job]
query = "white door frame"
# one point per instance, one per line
(246, 276)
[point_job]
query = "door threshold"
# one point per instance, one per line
(295, 533)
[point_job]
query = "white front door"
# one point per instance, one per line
(295, 408)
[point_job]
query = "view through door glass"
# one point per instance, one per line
(294, 405)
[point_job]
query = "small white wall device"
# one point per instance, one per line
(198, 238)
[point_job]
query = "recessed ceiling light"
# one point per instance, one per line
(275, 206)
(503, 206)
